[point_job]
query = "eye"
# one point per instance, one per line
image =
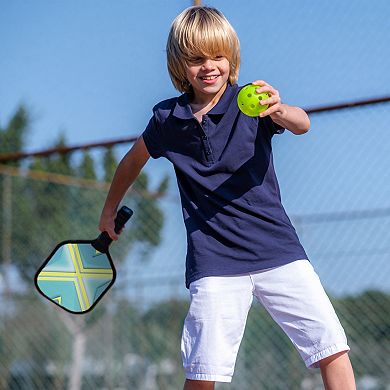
(219, 58)
(196, 60)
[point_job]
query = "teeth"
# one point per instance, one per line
(209, 77)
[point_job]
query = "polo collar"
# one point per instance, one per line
(183, 110)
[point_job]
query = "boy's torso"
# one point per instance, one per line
(230, 196)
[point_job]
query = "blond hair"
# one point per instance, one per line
(200, 31)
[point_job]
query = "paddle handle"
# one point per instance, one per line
(102, 242)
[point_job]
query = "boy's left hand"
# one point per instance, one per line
(275, 108)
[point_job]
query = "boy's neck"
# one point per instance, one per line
(203, 103)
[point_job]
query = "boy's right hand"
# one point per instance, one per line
(107, 223)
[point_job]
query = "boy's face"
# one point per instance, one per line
(207, 75)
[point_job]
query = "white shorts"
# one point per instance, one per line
(292, 294)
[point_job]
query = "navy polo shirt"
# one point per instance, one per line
(229, 193)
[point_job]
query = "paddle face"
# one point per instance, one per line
(76, 276)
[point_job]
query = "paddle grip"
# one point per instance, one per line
(102, 242)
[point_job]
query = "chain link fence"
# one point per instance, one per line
(335, 186)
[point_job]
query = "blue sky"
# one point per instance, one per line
(93, 70)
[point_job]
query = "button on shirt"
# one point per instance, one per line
(229, 193)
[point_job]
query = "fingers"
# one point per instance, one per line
(107, 224)
(109, 229)
(274, 101)
(270, 110)
(259, 82)
(274, 104)
(265, 87)
(112, 234)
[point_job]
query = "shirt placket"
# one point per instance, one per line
(206, 141)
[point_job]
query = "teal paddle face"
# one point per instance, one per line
(76, 276)
(78, 273)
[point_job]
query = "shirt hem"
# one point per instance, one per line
(258, 267)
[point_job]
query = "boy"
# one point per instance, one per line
(240, 241)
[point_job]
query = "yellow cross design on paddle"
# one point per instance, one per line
(77, 277)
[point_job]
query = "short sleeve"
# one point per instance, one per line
(153, 138)
(277, 128)
(272, 127)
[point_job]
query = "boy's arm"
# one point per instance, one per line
(125, 175)
(291, 118)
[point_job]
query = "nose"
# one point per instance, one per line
(208, 64)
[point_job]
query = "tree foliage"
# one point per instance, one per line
(54, 208)
(13, 135)
(61, 201)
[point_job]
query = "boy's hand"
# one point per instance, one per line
(291, 118)
(107, 224)
(275, 108)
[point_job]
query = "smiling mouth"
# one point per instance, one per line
(209, 77)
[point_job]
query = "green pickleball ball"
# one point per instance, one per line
(248, 100)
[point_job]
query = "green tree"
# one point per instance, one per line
(149, 218)
(13, 135)
(54, 206)
(40, 211)
(109, 164)
(86, 169)
(151, 337)
(47, 211)
(59, 163)
(366, 320)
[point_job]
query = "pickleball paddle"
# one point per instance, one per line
(78, 273)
